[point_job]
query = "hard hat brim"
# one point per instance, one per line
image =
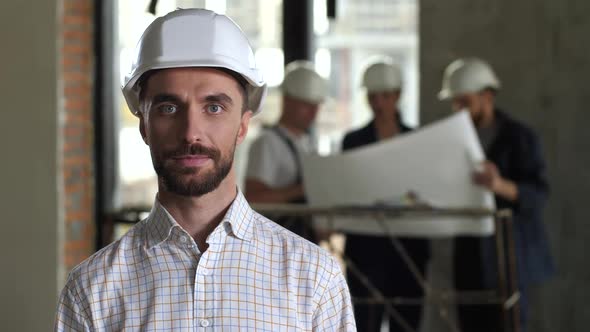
(256, 88)
(445, 95)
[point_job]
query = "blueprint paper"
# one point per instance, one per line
(436, 162)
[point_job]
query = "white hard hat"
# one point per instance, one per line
(195, 38)
(381, 76)
(468, 75)
(303, 82)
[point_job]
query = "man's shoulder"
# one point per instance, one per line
(267, 141)
(267, 134)
(516, 134)
(360, 132)
(293, 246)
(358, 137)
(103, 261)
(513, 124)
(268, 229)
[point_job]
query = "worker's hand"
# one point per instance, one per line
(489, 176)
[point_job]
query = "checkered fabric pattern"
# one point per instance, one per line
(254, 276)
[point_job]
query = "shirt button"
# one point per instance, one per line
(204, 323)
(205, 271)
(183, 239)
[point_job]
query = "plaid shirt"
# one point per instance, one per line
(255, 276)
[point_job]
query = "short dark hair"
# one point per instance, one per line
(142, 82)
(242, 83)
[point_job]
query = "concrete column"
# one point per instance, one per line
(539, 51)
(30, 193)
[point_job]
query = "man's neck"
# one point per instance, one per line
(386, 117)
(200, 215)
(297, 132)
(386, 125)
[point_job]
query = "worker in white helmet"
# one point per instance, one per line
(202, 258)
(375, 256)
(274, 173)
(515, 173)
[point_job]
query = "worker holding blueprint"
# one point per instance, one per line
(515, 173)
(375, 256)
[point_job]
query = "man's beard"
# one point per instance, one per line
(477, 118)
(170, 176)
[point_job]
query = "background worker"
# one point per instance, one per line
(274, 173)
(515, 172)
(375, 256)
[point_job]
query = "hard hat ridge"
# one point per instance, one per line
(303, 82)
(467, 75)
(382, 75)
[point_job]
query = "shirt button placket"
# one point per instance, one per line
(202, 280)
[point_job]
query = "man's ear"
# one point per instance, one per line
(142, 127)
(244, 123)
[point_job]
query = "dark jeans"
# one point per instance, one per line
(469, 276)
(393, 280)
(489, 318)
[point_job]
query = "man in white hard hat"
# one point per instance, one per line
(375, 256)
(515, 173)
(274, 173)
(202, 258)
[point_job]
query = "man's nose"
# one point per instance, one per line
(191, 126)
(380, 100)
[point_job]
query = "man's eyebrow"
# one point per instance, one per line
(164, 97)
(219, 98)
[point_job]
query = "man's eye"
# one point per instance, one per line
(167, 109)
(214, 108)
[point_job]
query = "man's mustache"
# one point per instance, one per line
(193, 149)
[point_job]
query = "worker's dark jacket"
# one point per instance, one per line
(516, 152)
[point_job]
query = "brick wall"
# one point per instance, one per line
(77, 65)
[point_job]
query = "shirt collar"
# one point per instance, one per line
(159, 225)
(292, 136)
(240, 217)
(238, 220)
(303, 142)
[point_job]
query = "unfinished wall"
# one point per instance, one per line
(541, 53)
(29, 191)
(46, 139)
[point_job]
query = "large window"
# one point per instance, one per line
(363, 30)
(344, 45)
